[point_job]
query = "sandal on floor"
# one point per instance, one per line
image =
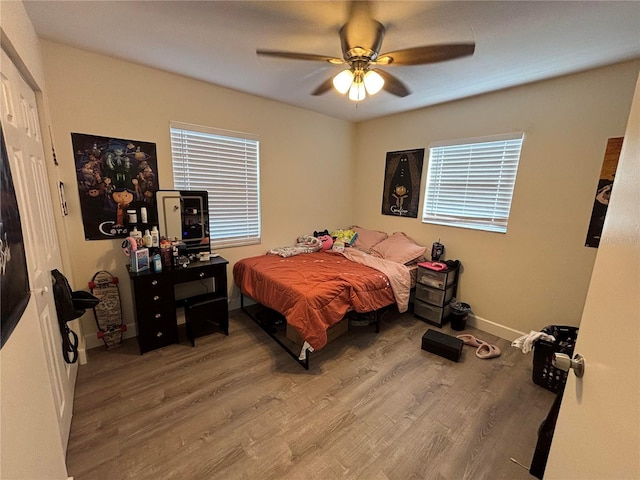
(486, 351)
(469, 339)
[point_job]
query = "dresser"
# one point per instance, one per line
(155, 301)
(434, 291)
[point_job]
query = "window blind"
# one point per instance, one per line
(470, 182)
(225, 164)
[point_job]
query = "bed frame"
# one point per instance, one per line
(269, 330)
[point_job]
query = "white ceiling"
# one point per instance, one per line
(517, 42)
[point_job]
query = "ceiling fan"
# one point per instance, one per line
(361, 40)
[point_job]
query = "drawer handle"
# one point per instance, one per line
(156, 298)
(158, 315)
(154, 282)
(159, 334)
(201, 274)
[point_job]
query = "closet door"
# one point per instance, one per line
(20, 126)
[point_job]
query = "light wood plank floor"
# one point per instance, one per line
(372, 406)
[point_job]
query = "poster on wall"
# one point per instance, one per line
(113, 174)
(603, 192)
(14, 278)
(401, 192)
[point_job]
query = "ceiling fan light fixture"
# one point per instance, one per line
(343, 81)
(373, 82)
(357, 90)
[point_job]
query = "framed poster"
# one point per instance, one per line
(603, 192)
(401, 192)
(14, 278)
(113, 173)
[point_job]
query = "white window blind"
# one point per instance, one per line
(226, 164)
(470, 182)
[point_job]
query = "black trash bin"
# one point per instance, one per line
(459, 314)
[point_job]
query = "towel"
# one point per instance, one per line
(526, 342)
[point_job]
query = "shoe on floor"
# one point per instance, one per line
(469, 339)
(486, 351)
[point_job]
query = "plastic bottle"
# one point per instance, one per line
(148, 240)
(157, 263)
(143, 214)
(132, 216)
(155, 237)
(135, 233)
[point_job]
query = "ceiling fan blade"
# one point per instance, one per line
(324, 87)
(392, 84)
(300, 56)
(426, 54)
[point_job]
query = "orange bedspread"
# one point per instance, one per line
(313, 290)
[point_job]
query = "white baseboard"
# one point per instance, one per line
(493, 328)
(92, 340)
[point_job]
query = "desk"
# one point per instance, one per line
(155, 301)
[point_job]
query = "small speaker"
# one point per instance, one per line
(442, 344)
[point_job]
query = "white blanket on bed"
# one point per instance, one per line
(398, 274)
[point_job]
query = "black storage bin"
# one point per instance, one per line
(544, 373)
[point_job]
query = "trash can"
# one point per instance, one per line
(459, 314)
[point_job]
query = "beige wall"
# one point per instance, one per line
(317, 173)
(305, 157)
(538, 272)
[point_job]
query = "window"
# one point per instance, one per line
(470, 182)
(226, 164)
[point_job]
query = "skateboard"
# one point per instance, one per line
(108, 312)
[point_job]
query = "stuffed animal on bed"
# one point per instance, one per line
(345, 236)
(327, 241)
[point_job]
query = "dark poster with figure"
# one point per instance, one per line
(113, 174)
(603, 192)
(14, 278)
(402, 175)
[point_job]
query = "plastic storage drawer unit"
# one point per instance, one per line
(431, 313)
(434, 296)
(433, 278)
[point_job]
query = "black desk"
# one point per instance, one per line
(155, 301)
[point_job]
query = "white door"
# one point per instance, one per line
(26, 159)
(597, 435)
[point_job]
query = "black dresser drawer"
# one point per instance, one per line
(190, 274)
(157, 332)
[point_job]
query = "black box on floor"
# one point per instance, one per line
(442, 344)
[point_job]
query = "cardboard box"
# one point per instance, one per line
(333, 332)
(140, 260)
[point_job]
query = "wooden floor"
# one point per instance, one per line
(372, 406)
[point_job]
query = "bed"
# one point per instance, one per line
(314, 291)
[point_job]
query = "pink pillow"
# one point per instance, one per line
(398, 248)
(367, 238)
